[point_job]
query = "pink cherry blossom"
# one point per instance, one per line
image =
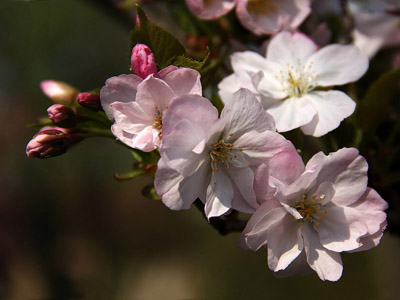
(211, 158)
(258, 16)
(309, 214)
(137, 106)
(287, 81)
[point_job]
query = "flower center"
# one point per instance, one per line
(310, 210)
(223, 153)
(297, 80)
(262, 7)
(158, 120)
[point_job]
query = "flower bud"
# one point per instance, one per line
(62, 115)
(89, 100)
(59, 92)
(143, 61)
(48, 143)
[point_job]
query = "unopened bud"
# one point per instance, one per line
(59, 92)
(48, 143)
(89, 100)
(62, 115)
(143, 61)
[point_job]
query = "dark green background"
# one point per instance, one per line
(68, 230)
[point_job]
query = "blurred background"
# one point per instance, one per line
(68, 230)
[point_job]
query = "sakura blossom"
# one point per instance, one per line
(291, 81)
(211, 158)
(309, 214)
(258, 16)
(137, 106)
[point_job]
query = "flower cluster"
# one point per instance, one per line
(232, 156)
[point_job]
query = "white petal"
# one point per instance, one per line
(284, 243)
(243, 178)
(332, 107)
(326, 263)
(219, 195)
(122, 135)
(231, 84)
(338, 64)
(287, 48)
(292, 113)
(130, 117)
(147, 140)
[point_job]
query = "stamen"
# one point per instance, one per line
(308, 207)
(262, 7)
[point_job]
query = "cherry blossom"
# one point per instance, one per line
(287, 81)
(211, 158)
(137, 106)
(258, 16)
(309, 214)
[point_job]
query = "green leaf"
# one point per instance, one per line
(163, 44)
(372, 109)
(187, 62)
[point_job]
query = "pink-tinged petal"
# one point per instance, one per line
(210, 9)
(254, 236)
(285, 243)
(297, 268)
(324, 193)
(219, 195)
(347, 170)
(243, 179)
(371, 241)
(292, 113)
(147, 140)
(263, 190)
(258, 147)
(164, 72)
(337, 65)
(122, 88)
(130, 117)
(326, 263)
(184, 81)
(59, 92)
(286, 166)
(244, 113)
(341, 228)
(154, 95)
(179, 192)
(372, 207)
(268, 18)
(332, 107)
(294, 192)
(288, 47)
(123, 136)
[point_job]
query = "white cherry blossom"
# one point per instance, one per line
(289, 79)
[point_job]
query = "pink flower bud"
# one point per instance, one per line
(48, 143)
(62, 115)
(89, 100)
(59, 92)
(143, 61)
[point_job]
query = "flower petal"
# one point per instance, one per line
(210, 10)
(130, 117)
(338, 64)
(284, 243)
(332, 107)
(326, 263)
(243, 178)
(341, 229)
(120, 88)
(184, 81)
(147, 140)
(219, 195)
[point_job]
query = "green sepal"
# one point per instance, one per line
(150, 192)
(145, 157)
(130, 175)
(163, 44)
